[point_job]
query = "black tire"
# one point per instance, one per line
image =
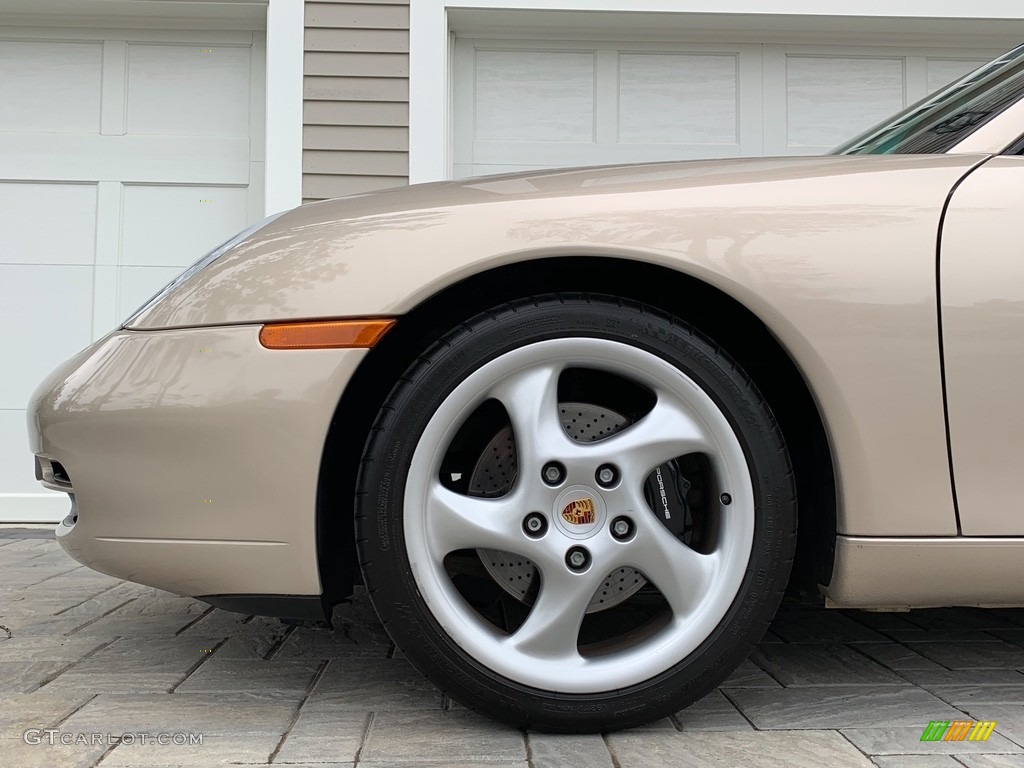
(381, 488)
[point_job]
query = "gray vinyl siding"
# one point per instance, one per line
(355, 134)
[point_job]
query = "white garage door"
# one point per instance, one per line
(124, 155)
(521, 105)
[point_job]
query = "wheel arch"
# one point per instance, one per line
(716, 314)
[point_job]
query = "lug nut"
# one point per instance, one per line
(577, 559)
(726, 499)
(622, 528)
(606, 475)
(535, 525)
(553, 473)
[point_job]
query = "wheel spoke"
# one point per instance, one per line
(455, 521)
(552, 628)
(681, 574)
(664, 433)
(531, 399)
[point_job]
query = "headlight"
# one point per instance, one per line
(203, 262)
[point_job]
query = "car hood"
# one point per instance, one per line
(384, 252)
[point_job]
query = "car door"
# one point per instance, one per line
(981, 286)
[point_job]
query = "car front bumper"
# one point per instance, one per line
(192, 456)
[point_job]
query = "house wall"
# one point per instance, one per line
(355, 97)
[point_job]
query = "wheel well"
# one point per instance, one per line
(718, 316)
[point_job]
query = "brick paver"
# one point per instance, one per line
(91, 657)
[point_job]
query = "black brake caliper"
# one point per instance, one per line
(666, 492)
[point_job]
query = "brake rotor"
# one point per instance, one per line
(493, 475)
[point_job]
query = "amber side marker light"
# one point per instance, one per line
(328, 334)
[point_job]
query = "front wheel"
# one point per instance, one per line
(574, 513)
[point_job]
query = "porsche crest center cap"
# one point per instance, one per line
(579, 512)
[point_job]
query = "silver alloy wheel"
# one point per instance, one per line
(699, 588)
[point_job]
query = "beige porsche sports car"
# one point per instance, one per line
(578, 430)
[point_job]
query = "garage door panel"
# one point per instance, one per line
(16, 475)
(534, 95)
(465, 170)
(106, 313)
(678, 99)
(545, 106)
(50, 86)
(188, 90)
(174, 159)
(944, 71)
(830, 99)
(48, 223)
(152, 232)
(549, 154)
(136, 285)
(51, 309)
(623, 101)
(125, 155)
